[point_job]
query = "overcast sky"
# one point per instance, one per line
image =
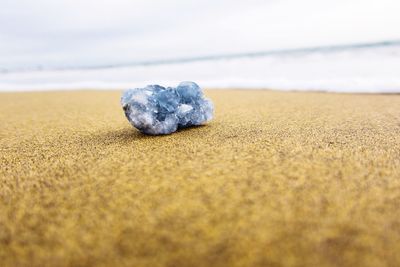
(87, 32)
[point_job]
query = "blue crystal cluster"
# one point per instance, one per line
(158, 110)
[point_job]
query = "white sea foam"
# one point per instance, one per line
(356, 70)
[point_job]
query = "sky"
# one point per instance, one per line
(64, 33)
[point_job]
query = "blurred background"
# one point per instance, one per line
(341, 45)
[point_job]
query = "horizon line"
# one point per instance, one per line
(326, 49)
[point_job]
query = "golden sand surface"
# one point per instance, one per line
(276, 179)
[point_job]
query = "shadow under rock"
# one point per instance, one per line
(129, 134)
(191, 128)
(124, 136)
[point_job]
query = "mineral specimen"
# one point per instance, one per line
(158, 110)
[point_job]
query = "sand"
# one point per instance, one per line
(277, 179)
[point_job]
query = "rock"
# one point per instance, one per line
(158, 110)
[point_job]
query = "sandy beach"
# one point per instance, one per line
(276, 179)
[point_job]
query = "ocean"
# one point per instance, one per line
(360, 68)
